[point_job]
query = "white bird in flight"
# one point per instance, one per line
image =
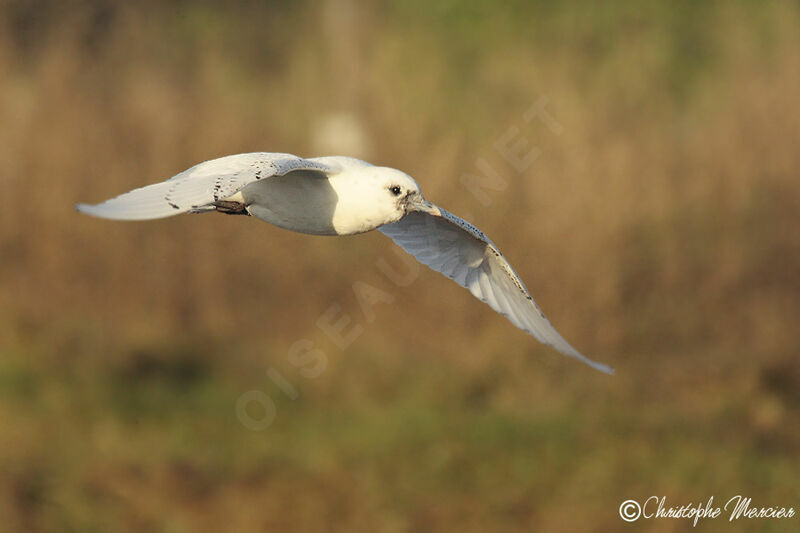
(345, 196)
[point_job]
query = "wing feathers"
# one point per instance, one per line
(197, 188)
(463, 253)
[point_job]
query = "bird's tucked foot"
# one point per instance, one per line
(230, 208)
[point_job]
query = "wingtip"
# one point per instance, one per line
(87, 209)
(594, 364)
(604, 368)
(92, 211)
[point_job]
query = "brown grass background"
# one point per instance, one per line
(660, 231)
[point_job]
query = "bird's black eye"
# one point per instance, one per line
(394, 189)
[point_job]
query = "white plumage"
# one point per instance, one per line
(344, 196)
(197, 188)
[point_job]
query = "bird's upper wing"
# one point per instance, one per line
(196, 189)
(465, 254)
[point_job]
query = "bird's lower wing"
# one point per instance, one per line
(463, 253)
(198, 188)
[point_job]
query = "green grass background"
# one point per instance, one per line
(658, 231)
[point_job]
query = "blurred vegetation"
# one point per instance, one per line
(659, 232)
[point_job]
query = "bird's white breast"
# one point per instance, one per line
(308, 202)
(299, 201)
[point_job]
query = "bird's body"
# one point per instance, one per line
(345, 196)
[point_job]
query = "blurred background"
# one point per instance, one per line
(657, 223)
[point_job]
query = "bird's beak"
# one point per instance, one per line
(418, 203)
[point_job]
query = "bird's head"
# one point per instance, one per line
(370, 197)
(400, 193)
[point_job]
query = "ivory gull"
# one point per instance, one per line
(345, 196)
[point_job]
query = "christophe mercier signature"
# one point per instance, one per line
(735, 508)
